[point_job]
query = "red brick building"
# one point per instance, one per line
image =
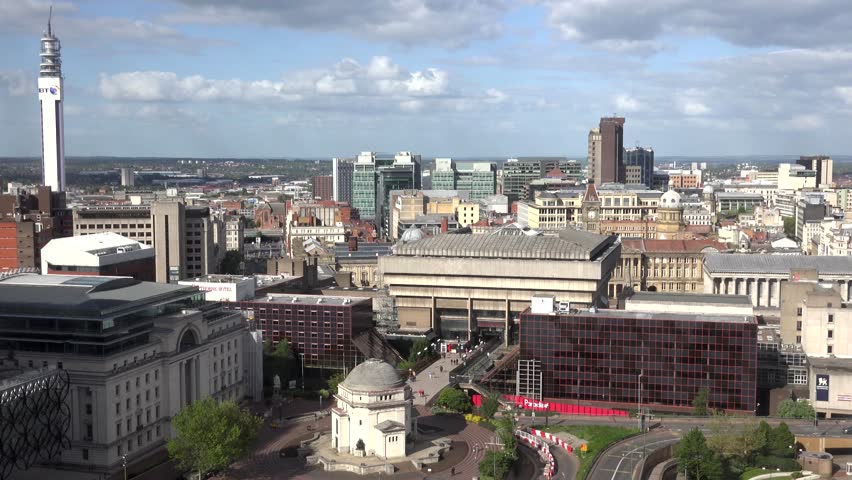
(323, 187)
(28, 221)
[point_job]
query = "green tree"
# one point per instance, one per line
(419, 349)
(794, 409)
(495, 464)
(209, 435)
(780, 441)
(490, 404)
(334, 381)
(696, 459)
(282, 350)
(699, 403)
(790, 227)
(231, 263)
(506, 433)
(454, 399)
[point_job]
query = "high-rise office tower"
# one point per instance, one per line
(478, 178)
(611, 166)
(639, 165)
(323, 187)
(50, 88)
(128, 178)
(593, 161)
(444, 174)
(517, 174)
(375, 175)
(823, 165)
(341, 173)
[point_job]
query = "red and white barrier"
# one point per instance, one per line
(542, 447)
(552, 439)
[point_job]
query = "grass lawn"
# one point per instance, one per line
(754, 472)
(597, 438)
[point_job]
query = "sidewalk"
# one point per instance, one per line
(439, 379)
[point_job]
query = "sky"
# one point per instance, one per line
(458, 78)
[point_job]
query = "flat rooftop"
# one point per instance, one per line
(70, 296)
(691, 298)
(294, 299)
(566, 245)
(678, 317)
(831, 363)
(776, 264)
(215, 278)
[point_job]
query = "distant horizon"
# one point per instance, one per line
(709, 158)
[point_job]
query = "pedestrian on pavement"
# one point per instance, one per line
(441, 369)
(452, 471)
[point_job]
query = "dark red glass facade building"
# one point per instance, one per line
(598, 357)
(320, 327)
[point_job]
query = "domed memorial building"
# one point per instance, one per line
(373, 412)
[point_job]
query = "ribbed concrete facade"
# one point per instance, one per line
(455, 285)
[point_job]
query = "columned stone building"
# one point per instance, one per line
(662, 265)
(761, 276)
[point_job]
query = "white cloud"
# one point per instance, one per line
(636, 25)
(427, 83)
(625, 103)
(382, 67)
(450, 23)
(347, 86)
(347, 77)
(18, 83)
(844, 93)
(411, 106)
(804, 122)
(102, 32)
(495, 96)
(688, 106)
(328, 84)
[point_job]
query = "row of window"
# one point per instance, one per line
(138, 400)
(100, 226)
(138, 381)
(148, 436)
(139, 424)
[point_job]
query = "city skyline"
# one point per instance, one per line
(447, 78)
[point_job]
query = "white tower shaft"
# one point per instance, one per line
(50, 91)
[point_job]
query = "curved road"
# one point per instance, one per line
(617, 462)
(567, 464)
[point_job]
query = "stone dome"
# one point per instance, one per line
(412, 234)
(670, 199)
(373, 375)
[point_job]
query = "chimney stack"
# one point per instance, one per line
(445, 225)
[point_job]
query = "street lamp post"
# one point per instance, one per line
(639, 399)
(124, 464)
(641, 417)
(302, 356)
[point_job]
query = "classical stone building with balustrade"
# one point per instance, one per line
(761, 276)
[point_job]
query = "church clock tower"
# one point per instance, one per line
(591, 210)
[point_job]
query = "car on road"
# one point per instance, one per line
(847, 430)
